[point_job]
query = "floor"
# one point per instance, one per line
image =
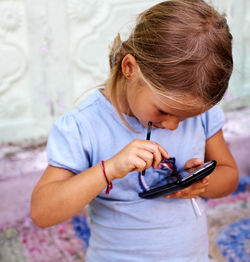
(228, 223)
(21, 241)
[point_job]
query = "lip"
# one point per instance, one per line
(155, 126)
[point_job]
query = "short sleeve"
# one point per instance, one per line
(68, 145)
(213, 120)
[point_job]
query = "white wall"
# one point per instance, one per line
(52, 51)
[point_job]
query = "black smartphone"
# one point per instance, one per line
(183, 180)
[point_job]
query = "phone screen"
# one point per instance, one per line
(196, 171)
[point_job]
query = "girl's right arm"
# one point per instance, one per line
(60, 194)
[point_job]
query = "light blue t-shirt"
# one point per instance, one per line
(124, 227)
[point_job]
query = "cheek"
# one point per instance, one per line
(144, 113)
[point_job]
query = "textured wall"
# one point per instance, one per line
(52, 51)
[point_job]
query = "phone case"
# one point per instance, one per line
(182, 183)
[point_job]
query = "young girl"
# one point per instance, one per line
(172, 71)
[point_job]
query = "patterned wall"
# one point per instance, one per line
(238, 14)
(54, 50)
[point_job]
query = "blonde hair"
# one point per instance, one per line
(181, 47)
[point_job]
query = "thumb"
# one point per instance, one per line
(193, 162)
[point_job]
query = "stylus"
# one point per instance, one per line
(149, 130)
(196, 207)
(148, 138)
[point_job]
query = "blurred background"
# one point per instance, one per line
(51, 53)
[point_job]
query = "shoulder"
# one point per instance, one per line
(76, 125)
(91, 101)
(69, 144)
(89, 112)
(212, 120)
(95, 103)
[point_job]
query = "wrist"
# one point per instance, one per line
(109, 183)
(109, 167)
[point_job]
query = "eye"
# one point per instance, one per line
(162, 112)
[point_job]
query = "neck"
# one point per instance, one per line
(122, 99)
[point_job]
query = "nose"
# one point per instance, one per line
(170, 124)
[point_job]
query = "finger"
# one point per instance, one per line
(158, 151)
(173, 195)
(206, 179)
(200, 184)
(148, 151)
(163, 152)
(157, 159)
(154, 147)
(196, 189)
(139, 164)
(189, 192)
(146, 156)
(182, 195)
(193, 162)
(195, 192)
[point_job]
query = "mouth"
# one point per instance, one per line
(156, 126)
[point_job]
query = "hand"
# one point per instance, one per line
(195, 189)
(136, 156)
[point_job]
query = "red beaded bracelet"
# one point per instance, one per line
(110, 185)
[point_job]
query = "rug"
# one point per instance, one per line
(228, 223)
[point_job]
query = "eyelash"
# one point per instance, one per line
(163, 113)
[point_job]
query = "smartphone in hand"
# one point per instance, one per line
(182, 180)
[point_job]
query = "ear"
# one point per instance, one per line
(129, 67)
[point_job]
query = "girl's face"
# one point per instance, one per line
(163, 112)
(148, 106)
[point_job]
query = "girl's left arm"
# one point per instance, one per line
(224, 180)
